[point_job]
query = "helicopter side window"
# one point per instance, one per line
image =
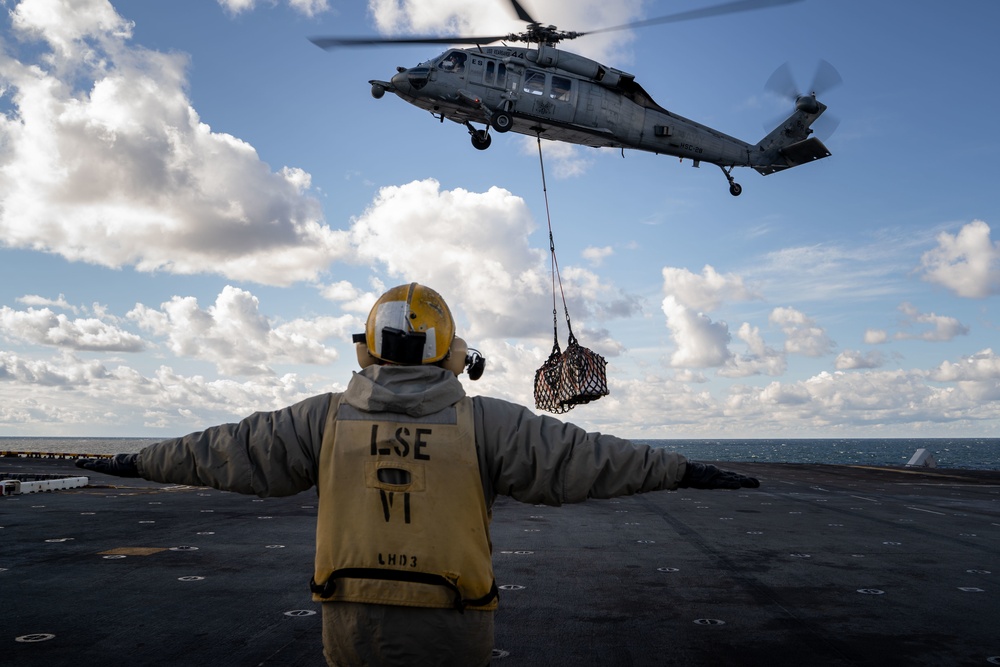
(561, 87)
(495, 74)
(534, 83)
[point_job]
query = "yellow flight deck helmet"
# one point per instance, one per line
(412, 325)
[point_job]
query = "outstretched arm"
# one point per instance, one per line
(267, 453)
(540, 459)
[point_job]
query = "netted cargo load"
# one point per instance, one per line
(570, 378)
(576, 376)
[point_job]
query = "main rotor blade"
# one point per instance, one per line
(329, 43)
(521, 13)
(715, 10)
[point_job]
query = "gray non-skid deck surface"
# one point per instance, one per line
(823, 565)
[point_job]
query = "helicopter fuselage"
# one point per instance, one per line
(562, 96)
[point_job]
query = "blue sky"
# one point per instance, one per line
(198, 206)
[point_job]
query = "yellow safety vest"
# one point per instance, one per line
(402, 517)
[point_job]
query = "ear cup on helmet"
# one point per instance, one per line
(455, 361)
(365, 358)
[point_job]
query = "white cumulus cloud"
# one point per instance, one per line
(942, 327)
(307, 7)
(474, 248)
(106, 161)
(803, 336)
(854, 359)
(41, 326)
(235, 336)
(967, 263)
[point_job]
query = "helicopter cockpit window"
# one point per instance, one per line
(560, 88)
(454, 62)
(534, 83)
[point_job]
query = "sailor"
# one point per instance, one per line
(407, 467)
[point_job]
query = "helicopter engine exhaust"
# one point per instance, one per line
(546, 56)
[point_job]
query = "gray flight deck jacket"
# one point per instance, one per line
(531, 458)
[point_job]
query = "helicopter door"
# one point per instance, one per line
(491, 82)
(561, 95)
(548, 95)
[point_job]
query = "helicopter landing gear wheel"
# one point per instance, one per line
(481, 140)
(735, 189)
(502, 121)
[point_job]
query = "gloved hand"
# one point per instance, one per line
(708, 476)
(122, 465)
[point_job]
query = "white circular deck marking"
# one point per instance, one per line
(979, 572)
(499, 653)
(147, 522)
(993, 659)
(800, 555)
(532, 530)
(646, 541)
(708, 621)
(275, 546)
(183, 548)
(892, 544)
(870, 591)
(524, 553)
(190, 578)
(265, 517)
(511, 587)
(36, 637)
(113, 557)
(970, 589)
(300, 612)
(81, 513)
(206, 532)
(206, 511)
(60, 539)
(755, 532)
(667, 569)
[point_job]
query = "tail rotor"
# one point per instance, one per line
(782, 83)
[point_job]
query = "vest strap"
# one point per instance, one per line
(328, 588)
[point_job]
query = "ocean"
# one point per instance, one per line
(972, 453)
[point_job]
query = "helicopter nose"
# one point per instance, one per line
(410, 80)
(400, 81)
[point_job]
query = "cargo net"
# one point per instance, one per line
(576, 376)
(570, 378)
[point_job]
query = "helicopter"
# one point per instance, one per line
(544, 91)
